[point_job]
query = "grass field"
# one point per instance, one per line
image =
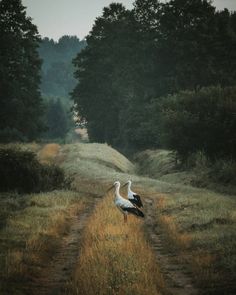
(199, 225)
(31, 229)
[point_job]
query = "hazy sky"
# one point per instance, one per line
(56, 18)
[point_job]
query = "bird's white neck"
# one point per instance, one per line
(117, 191)
(129, 186)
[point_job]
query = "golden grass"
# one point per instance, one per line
(183, 240)
(115, 257)
(48, 153)
(201, 227)
(200, 224)
(34, 230)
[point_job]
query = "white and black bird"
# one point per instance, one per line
(134, 198)
(125, 206)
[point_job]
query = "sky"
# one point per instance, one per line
(55, 18)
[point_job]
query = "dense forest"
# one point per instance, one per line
(161, 75)
(20, 100)
(57, 81)
(36, 78)
(57, 68)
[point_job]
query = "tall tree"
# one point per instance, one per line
(57, 67)
(156, 49)
(99, 68)
(56, 119)
(20, 102)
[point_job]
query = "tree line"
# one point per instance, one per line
(160, 75)
(21, 105)
(57, 81)
(36, 77)
(57, 69)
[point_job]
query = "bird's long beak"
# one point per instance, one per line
(125, 184)
(110, 188)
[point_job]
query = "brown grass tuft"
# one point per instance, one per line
(161, 202)
(48, 153)
(33, 232)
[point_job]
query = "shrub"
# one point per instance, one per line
(224, 171)
(11, 135)
(203, 120)
(210, 173)
(20, 171)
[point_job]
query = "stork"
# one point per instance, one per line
(125, 206)
(133, 197)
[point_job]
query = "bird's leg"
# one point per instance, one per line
(125, 218)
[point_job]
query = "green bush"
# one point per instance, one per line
(20, 171)
(203, 120)
(212, 174)
(11, 135)
(224, 171)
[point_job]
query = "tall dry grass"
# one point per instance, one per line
(48, 153)
(32, 231)
(115, 257)
(201, 228)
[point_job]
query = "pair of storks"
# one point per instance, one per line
(130, 206)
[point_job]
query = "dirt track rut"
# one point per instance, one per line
(53, 278)
(177, 279)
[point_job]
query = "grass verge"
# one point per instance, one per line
(201, 228)
(115, 257)
(31, 230)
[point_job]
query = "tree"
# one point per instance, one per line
(57, 68)
(99, 69)
(202, 120)
(21, 106)
(155, 50)
(56, 120)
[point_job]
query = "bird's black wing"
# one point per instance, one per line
(137, 201)
(133, 210)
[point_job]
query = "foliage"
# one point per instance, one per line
(98, 95)
(20, 171)
(154, 50)
(57, 120)
(218, 175)
(21, 106)
(57, 68)
(202, 120)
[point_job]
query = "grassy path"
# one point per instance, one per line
(188, 233)
(115, 257)
(32, 232)
(54, 277)
(176, 277)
